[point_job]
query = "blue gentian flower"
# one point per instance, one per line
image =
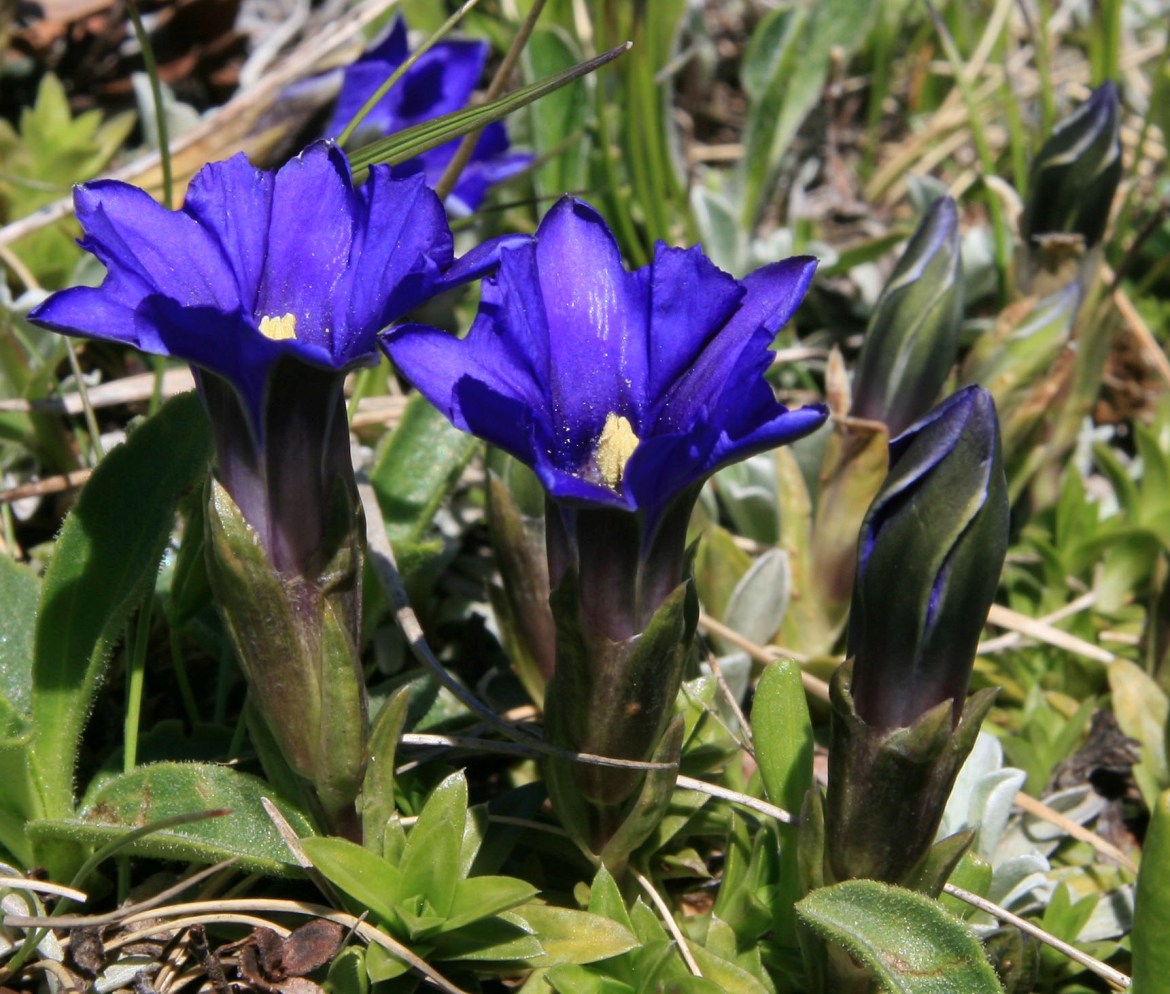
(624, 391)
(274, 285)
(620, 389)
(441, 82)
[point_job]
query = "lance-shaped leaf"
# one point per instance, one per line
(908, 943)
(913, 334)
(1019, 361)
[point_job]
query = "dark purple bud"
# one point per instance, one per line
(913, 334)
(929, 558)
(1075, 175)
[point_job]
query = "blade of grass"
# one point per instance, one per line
(160, 113)
(1001, 235)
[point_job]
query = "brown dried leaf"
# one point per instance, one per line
(311, 946)
(86, 951)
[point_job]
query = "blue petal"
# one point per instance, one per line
(690, 301)
(313, 209)
(664, 465)
(401, 246)
(106, 312)
(783, 427)
(597, 316)
(442, 80)
(569, 489)
(393, 48)
(147, 248)
(365, 76)
(735, 359)
(232, 201)
(358, 84)
(502, 352)
(497, 418)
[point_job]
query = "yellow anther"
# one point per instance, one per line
(279, 329)
(615, 445)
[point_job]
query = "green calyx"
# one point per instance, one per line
(296, 639)
(888, 786)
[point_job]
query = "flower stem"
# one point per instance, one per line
(135, 681)
(467, 146)
(160, 114)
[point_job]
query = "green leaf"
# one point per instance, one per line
(570, 979)
(1142, 710)
(490, 940)
(413, 141)
(783, 735)
(20, 589)
(105, 561)
(482, 897)
(570, 936)
(606, 900)
(18, 801)
(376, 800)
(784, 73)
(733, 903)
(558, 120)
(368, 879)
(759, 601)
(347, 973)
(720, 564)
(729, 977)
(1151, 923)
(166, 790)
(53, 151)
(430, 865)
(383, 964)
(906, 941)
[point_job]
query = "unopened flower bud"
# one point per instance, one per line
(1075, 175)
(930, 553)
(913, 334)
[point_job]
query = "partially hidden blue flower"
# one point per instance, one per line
(274, 284)
(440, 82)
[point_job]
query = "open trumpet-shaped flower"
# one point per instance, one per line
(619, 389)
(624, 391)
(274, 285)
(440, 82)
